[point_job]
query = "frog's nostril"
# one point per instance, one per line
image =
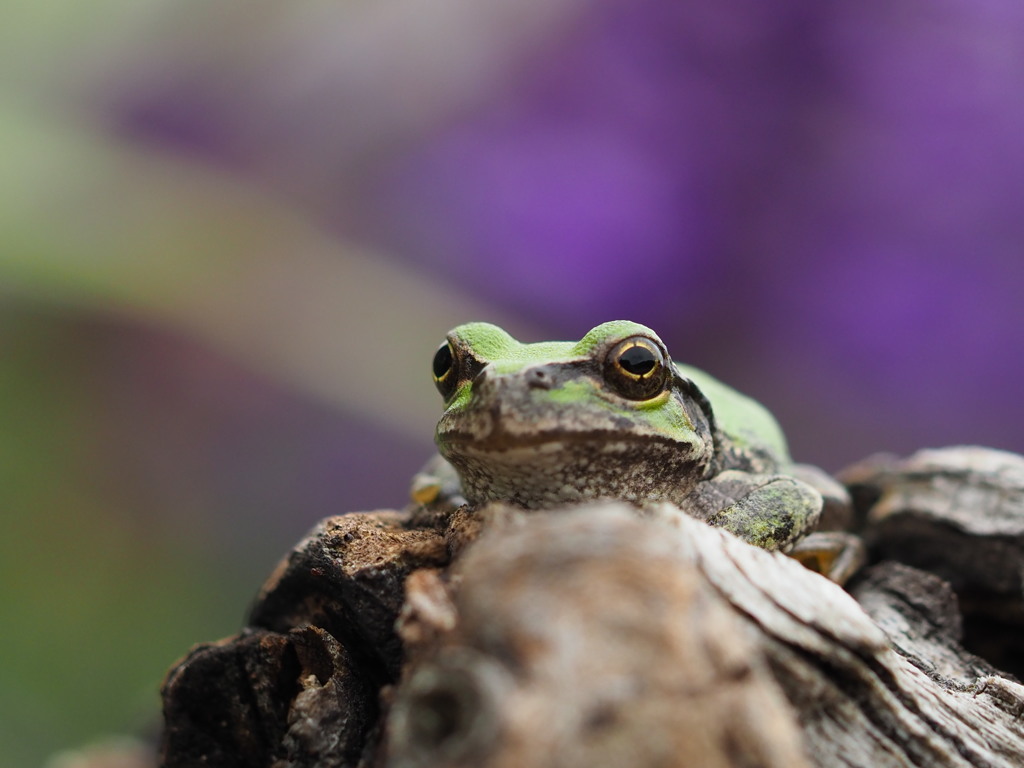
(541, 377)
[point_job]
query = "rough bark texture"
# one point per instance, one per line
(607, 636)
(959, 513)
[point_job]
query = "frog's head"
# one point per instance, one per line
(608, 416)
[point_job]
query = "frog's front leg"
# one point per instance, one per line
(768, 511)
(438, 485)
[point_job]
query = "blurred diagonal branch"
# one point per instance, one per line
(108, 227)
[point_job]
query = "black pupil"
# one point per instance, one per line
(442, 361)
(638, 360)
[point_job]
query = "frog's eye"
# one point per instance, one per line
(637, 368)
(444, 370)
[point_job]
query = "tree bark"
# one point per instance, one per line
(592, 636)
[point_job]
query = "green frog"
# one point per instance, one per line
(610, 416)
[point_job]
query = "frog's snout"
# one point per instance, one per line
(490, 386)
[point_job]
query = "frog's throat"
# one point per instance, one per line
(558, 472)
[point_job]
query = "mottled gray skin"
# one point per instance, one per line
(544, 425)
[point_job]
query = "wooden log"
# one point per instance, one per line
(604, 635)
(624, 641)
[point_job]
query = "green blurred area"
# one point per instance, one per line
(87, 605)
(103, 583)
(94, 607)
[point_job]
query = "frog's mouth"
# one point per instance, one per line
(499, 440)
(524, 425)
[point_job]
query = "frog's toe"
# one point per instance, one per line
(834, 554)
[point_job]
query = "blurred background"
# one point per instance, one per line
(232, 235)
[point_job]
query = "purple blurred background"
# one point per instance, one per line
(823, 205)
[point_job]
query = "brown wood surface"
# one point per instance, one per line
(608, 636)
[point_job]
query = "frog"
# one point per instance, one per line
(609, 417)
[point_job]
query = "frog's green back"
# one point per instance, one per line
(740, 417)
